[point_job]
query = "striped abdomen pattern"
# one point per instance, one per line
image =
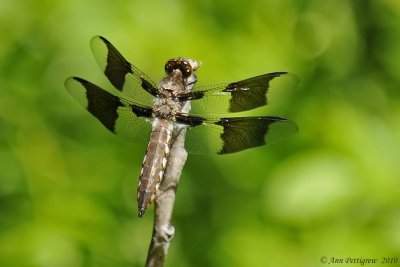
(154, 163)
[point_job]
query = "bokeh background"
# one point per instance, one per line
(68, 186)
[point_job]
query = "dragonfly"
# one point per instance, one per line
(140, 110)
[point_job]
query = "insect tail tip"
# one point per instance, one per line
(141, 212)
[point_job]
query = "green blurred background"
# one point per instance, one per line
(68, 186)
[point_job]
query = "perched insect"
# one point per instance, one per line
(147, 111)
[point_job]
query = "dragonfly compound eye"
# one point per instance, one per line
(180, 64)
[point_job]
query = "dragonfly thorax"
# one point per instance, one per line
(166, 108)
(167, 104)
(172, 84)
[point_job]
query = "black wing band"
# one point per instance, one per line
(243, 133)
(230, 135)
(239, 96)
(121, 116)
(250, 93)
(117, 66)
(124, 76)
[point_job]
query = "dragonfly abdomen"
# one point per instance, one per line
(154, 163)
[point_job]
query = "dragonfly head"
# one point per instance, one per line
(181, 64)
